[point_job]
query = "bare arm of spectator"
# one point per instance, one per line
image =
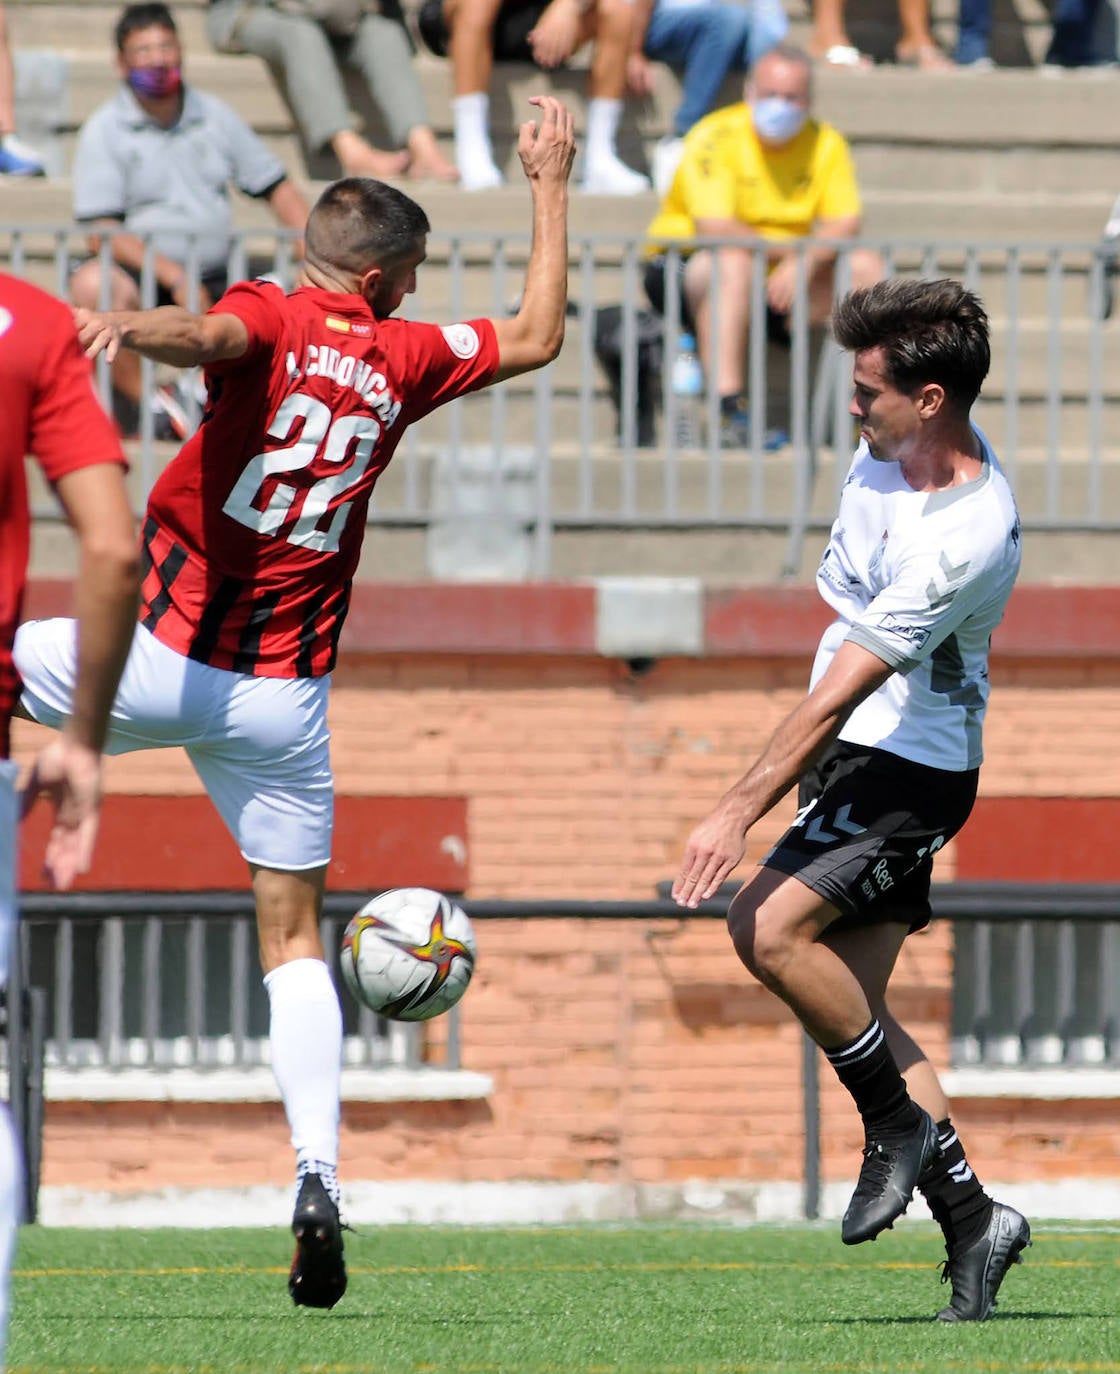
(287, 203)
(129, 251)
(781, 286)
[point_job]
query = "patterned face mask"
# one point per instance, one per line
(155, 82)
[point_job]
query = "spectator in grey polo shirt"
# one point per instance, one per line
(159, 158)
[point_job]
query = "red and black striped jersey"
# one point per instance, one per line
(253, 531)
(50, 409)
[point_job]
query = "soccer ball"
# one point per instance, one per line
(408, 954)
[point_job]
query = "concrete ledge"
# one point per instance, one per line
(1051, 1085)
(425, 1202)
(649, 617)
(633, 617)
(255, 1085)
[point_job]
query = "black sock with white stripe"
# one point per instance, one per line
(956, 1197)
(867, 1069)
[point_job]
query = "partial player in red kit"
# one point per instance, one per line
(50, 410)
(250, 542)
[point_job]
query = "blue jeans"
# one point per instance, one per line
(974, 29)
(1072, 42)
(706, 42)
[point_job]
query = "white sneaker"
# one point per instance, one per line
(613, 178)
(666, 159)
(19, 159)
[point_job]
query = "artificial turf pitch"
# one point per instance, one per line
(591, 1300)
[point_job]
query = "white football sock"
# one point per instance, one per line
(474, 156)
(604, 171)
(305, 1036)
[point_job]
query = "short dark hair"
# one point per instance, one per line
(929, 331)
(358, 223)
(135, 17)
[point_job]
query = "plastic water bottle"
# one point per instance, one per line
(688, 388)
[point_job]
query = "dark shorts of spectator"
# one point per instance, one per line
(654, 281)
(868, 843)
(516, 20)
(213, 283)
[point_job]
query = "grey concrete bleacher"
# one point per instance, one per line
(952, 159)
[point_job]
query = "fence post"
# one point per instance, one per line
(811, 1109)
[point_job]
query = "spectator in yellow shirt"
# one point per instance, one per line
(761, 169)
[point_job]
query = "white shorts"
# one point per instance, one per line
(260, 744)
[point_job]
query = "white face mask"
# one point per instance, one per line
(777, 120)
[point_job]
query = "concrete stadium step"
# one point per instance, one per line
(716, 552)
(918, 217)
(991, 172)
(889, 105)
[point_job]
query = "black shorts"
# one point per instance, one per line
(655, 281)
(215, 284)
(868, 827)
(515, 21)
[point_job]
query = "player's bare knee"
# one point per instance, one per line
(742, 917)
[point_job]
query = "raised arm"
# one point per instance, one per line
(167, 334)
(533, 336)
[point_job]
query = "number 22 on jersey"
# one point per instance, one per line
(322, 436)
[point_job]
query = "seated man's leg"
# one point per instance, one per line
(605, 173)
(301, 49)
(471, 49)
(983, 1238)
(85, 291)
(380, 51)
(729, 271)
(864, 267)
(727, 275)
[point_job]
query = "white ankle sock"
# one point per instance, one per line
(305, 1036)
(473, 154)
(604, 171)
(603, 116)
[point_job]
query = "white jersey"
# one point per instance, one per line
(920, 579)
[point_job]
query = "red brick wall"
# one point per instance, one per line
(620, 1051)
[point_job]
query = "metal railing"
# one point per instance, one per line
(552, 451)
(1036, 980)
(164, 982)
(1054, 994)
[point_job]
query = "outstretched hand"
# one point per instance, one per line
(98, 332)
(547, 147)
(68, 775)
(715, 847)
